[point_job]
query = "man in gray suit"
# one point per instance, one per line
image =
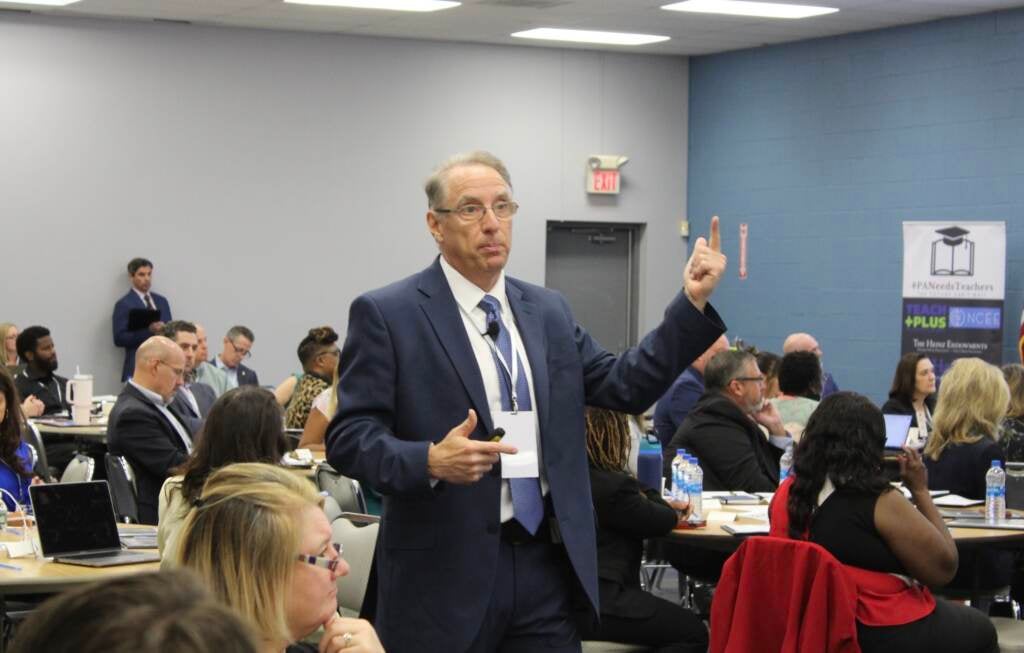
(193, 399)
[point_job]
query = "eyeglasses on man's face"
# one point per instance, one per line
(750, 379)
(178, 371)
(502, 209)
(244, 353)
(330, 564)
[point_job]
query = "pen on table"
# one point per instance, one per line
(4, 565)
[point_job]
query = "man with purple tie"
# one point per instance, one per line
(463, 394)
(139, 298)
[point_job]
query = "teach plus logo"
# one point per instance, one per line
(926, 316)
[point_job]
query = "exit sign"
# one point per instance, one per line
(603, 182)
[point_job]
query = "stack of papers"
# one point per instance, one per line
(745, 529)
(957, 501)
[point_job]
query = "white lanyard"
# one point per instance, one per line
(512, 373)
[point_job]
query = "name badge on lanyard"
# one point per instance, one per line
(520, 426)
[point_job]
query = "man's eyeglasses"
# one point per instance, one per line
(244, 353)
(331, 352)
(502, 209)
(753, 379)
(323, 561)
(178, 371)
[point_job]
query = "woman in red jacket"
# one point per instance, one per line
(838, 498)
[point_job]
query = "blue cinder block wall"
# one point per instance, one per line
(824, 147)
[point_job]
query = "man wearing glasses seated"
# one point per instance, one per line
(722, 429)
(146, 427)
(237, 347)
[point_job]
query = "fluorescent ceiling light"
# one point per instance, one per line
(391, 5)
(744, 8)
(47, 3)
(588, 36)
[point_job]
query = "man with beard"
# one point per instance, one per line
(36, 348)
(193, 398)
(722, 428)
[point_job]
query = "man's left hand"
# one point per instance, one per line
(705, 267)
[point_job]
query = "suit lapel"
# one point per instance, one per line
(531, 330)
(443, 313)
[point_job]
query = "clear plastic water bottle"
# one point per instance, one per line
(678, 487)
(696, 489)
(995, 493)
(786, 463)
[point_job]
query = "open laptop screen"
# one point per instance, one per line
(74, 517)
(896, 428)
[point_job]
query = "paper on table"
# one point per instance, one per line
(756, 512)
(18, 549)
(720, 516)
(710, 504)
(957, 501)
(746, 529)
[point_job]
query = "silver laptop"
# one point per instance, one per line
(77, 526)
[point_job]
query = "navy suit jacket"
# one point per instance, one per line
(131, 340)
(408, 376)
(138, 431)
(247, 376)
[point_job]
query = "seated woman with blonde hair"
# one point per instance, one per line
(258, 538)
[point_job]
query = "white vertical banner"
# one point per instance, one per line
(954, 284)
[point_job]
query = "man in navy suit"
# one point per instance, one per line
(145, 426)
(140, 271)
(433, 365)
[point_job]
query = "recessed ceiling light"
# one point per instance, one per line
(745, 8)
(589, 36)
(390, 5)
(47, 3)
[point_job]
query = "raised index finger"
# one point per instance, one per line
(715, 242)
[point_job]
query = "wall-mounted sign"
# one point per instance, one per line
(603, 177)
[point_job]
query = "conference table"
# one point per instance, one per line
(34, 576)
(713, 536)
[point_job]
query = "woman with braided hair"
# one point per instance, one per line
(626, 514)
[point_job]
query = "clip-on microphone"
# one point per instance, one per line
(493, 328)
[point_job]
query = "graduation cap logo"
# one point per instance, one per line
(953, 254)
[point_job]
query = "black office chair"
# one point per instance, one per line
(35, 440)
(121, 479)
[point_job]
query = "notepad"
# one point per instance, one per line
(1010, 525)
(739, 498)
(745, 529)
(957, 501)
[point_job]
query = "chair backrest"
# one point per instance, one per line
(121, 478)
(346, 491)
(79, 470)
(359, 543)
(813, 601)
(1015, 486)
(35, 440)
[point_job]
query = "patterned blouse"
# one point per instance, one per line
(308, 387)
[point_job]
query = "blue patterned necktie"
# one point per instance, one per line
(527, 502)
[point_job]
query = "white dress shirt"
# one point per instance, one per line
(468, 296)
(230, 372)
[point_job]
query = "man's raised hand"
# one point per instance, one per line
(705, 267)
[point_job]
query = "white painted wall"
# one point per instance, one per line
(273, 176)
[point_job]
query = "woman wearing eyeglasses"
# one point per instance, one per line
(259, 539)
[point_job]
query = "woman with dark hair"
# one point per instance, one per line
(913, 393)
(838, 497)
(800, 390)
(318, 352)
(626, 514)
(15, 455)
(244, 426)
